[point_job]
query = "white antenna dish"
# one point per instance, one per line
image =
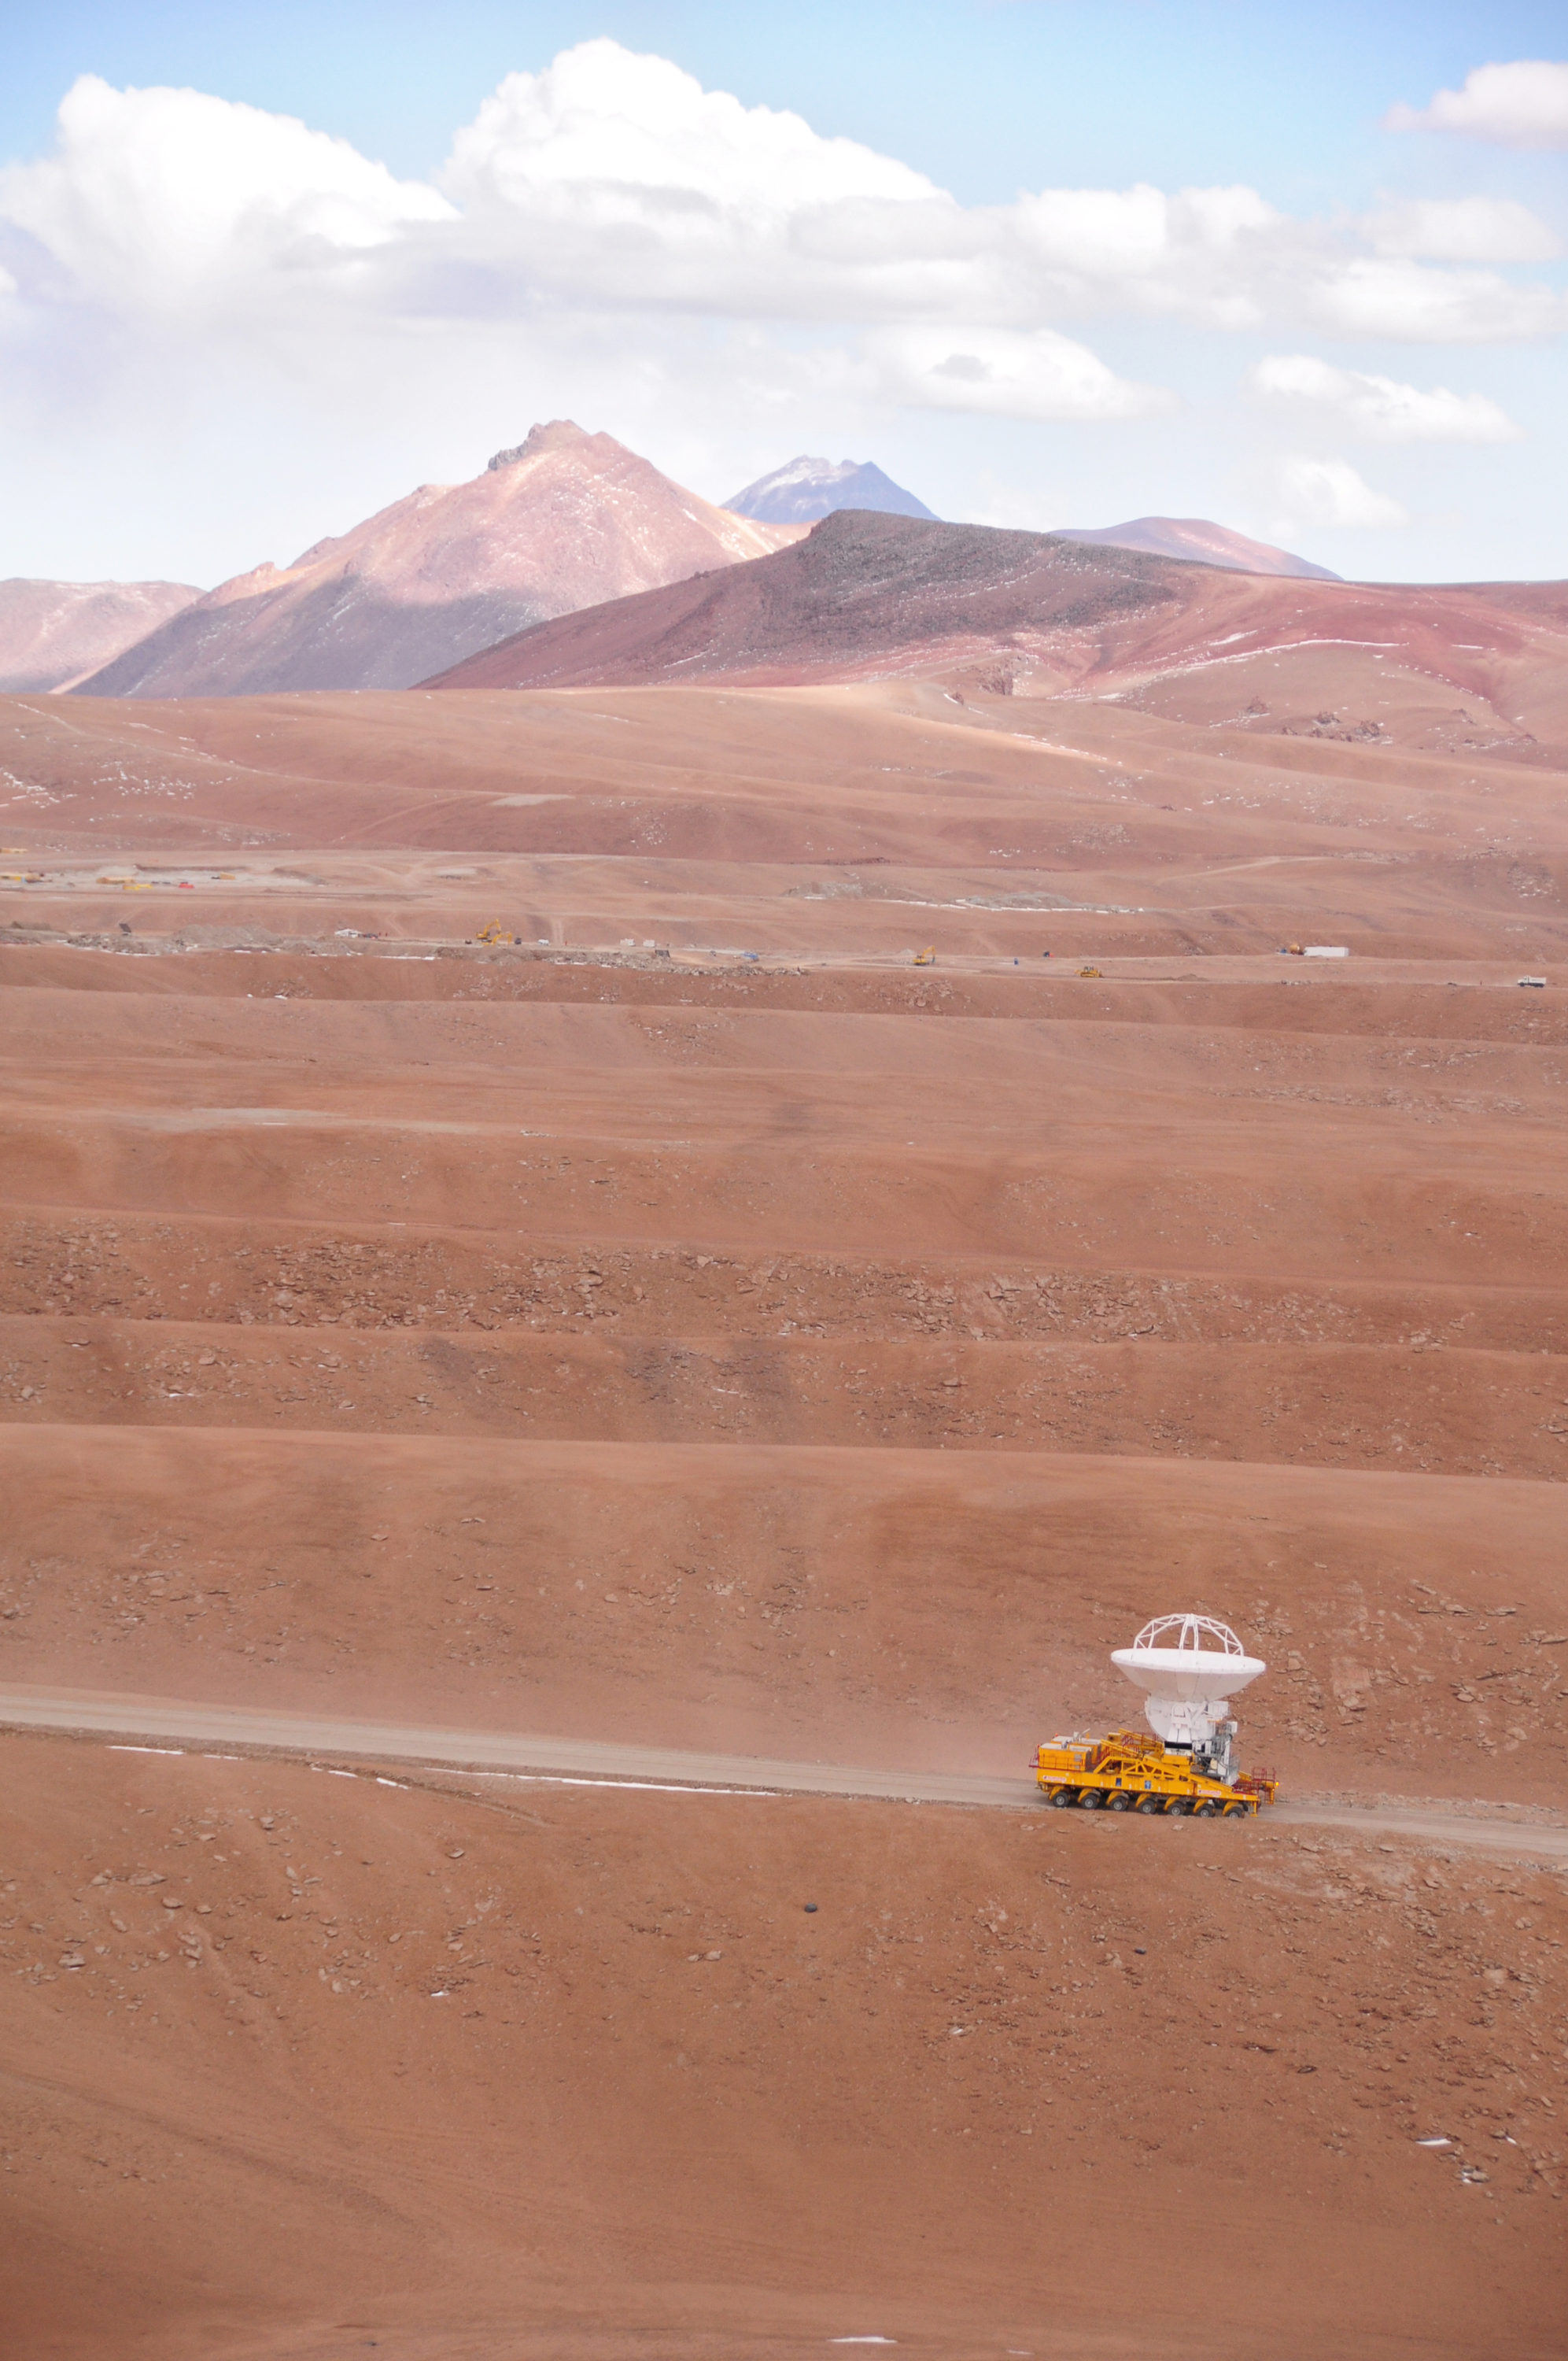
(1190, 1667)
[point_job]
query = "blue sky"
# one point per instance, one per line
(223, 337)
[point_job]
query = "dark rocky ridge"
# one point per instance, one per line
(861, 589)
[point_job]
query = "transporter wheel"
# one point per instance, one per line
(1092, 1799)
(1206, 1811)
(1118, 1803)
(1180, 1805)
(1150, 1804)
(1237, 1812)
(1062, 1797)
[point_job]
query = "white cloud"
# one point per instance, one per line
(1463, 229)
(1385, 297)
(998, 372)
(610, 182)
(1521, 105)
(626, 133)
(184, 275)
(1197, 253)
(1381, 407)
(618, 178)
(1329, 492)
(167, 199)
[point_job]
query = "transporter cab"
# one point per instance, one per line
(1189, 1667)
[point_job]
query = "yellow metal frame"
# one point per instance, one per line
(1131, 1771)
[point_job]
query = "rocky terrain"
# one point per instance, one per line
(497, 1230)
(557, 2071)
(1038, 615)
(565, 520)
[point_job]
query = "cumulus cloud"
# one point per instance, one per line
(1329, 492)
(1521, 105)
(163, 198)
(1381, 407)
(628, 133)
(619, 178)
(1463, 229)
(1387, 296)
(1000, 372)
(615, 181)
(1200, 253)
(183, 276)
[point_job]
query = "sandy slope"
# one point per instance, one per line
(878, 1605)
(577, 2073)
(612, 1336)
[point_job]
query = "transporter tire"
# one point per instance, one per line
(1237, 1812)
(1206, 1811)
(1180, 1805)
(1092, 1799)
(1119, 1803)
(1151, 1804)
(1062, 1797)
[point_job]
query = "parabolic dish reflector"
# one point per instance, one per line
(1187, 1662)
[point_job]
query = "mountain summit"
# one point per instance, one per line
(809, 488)
(565, 520)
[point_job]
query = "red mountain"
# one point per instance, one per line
(565, 520)
(868, 597)
(863, 593)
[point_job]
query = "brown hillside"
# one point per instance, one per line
(497, 1234)
(565, 520)
(865, 597)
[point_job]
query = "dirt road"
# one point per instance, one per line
(163, 1721)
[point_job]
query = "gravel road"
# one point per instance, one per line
(181, 1726)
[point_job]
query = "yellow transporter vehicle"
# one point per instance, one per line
(1131, 1771)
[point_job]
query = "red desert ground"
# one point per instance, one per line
(523, 1295)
